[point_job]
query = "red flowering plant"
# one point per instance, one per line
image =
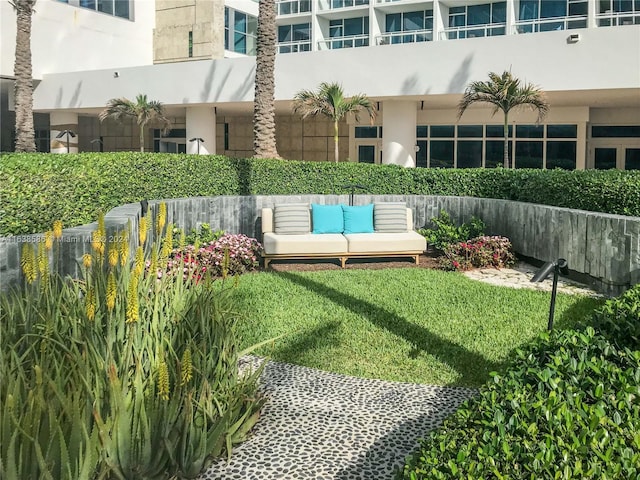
(478, 252)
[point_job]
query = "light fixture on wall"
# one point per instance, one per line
(67, 133)
(557, 267)
(116, 74)
(573, 38)
(199, 140)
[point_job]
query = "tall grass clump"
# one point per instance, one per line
(119, 374)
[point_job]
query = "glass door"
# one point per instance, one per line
(605, 158)
(368, 153)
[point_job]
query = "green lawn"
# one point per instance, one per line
(413, 325)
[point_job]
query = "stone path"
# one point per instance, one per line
(520, 277)
(320, 425)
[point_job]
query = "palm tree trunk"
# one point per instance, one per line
(264, 115)
(25, 134)
(141, 138)
(506, 140)
(336, 139)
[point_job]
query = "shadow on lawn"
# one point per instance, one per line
(456, 356)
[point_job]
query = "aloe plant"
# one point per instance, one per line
(120, 374)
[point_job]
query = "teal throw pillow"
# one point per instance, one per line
(327, 218)
(358, 219)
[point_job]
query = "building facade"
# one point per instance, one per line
(413, 58)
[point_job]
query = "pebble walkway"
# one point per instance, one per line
(318, 425)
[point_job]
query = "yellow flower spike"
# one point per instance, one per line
(57, 229)
(163, 381)
(101, 228)
(186, 367)
(112, 290)
(97, 242)
(43, 262)
(123, 247)
(139, 262)
(113, 255)
(142, 231)
(132, 300)
(90, 303)
(183, 239)
(38, 371)
(167, 243)
(162, 218)
(86, 260)
(28, 263)
(48, 240)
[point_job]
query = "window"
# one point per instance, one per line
(626, 131)
(474, 146)
(461, 18)
(117, 8)
(240, 31)
(293, 7)
(190, 44)
(632, 159)
(541, 12)
(294, 38)
(368, 132)
(421, 20)
(349, 27)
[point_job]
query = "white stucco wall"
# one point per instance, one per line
(418, 71)
(67, 38)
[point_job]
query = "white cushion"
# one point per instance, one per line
(390, 217)
(386, 242)
(291, 219)
(304, 244)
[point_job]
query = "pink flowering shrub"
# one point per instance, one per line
(228, 255)
(478, 252)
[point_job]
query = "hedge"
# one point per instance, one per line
(568, 407)
(39, 188)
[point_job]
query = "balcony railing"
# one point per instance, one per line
(292, 7)
(336, 4)
(351, 41)
(294, 47)
(550, 24)
(613, 19)
(390, 38)
(453, 33)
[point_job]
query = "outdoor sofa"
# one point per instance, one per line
(304, 231)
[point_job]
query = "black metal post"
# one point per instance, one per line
(554, 289)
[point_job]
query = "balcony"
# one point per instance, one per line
(550, 24)
(415, 36)
(454, 33)
(294, 47)
(614, 19)
(293, 7)
(350, 41)
(339, 4)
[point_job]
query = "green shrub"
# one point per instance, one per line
(119, 374)
(197, 236)
(568, 407)
(445, 232)
(39, 188)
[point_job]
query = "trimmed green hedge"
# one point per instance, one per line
(37, 189)
(569, 407)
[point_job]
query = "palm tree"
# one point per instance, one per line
(329, 101)
(504, 92)
(264, 111)
(25, 134)
(143, 111)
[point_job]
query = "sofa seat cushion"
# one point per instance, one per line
(386, 242)
(308, 244)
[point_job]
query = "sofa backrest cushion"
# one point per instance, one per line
(291, 219)
(327, 218)
(390, 217)
(358, 219)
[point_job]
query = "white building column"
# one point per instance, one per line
(399, 120)
(201, 125)
(63, 132)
